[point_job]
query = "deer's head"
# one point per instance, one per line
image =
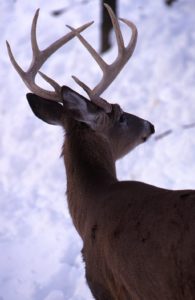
(67, 108)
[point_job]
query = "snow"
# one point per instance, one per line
(39, 247)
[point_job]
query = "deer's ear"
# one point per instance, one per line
(49, 111)
(79, 108)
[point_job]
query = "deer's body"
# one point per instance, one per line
(138, 240)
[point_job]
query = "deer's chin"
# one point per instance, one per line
(145, 138)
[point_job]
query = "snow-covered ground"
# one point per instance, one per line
(39, 248)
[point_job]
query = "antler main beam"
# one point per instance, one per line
(38, 59)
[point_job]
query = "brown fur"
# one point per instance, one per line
(138, 239)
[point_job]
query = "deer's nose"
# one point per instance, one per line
(149, 129)
(152, 129)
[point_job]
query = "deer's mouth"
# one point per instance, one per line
(144, 139)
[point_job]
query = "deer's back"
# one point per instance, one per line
(144, 238)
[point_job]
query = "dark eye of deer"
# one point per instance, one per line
(122, 118)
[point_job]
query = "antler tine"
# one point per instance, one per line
(131, 46)
(102, 64)
(38, 59)
(94, 98)
(13, 61)
(109, 71)
(117, 30)
(34, 44)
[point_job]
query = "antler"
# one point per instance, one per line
(109, 71)
(38, 59)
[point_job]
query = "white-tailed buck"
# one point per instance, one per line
(138, 239)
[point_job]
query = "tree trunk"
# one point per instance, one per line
(106, 25)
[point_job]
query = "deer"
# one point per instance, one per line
(138, 239)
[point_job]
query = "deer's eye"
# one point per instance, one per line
(122, 118)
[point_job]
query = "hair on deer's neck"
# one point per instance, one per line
(89, 165)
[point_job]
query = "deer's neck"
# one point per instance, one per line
(90, 170)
